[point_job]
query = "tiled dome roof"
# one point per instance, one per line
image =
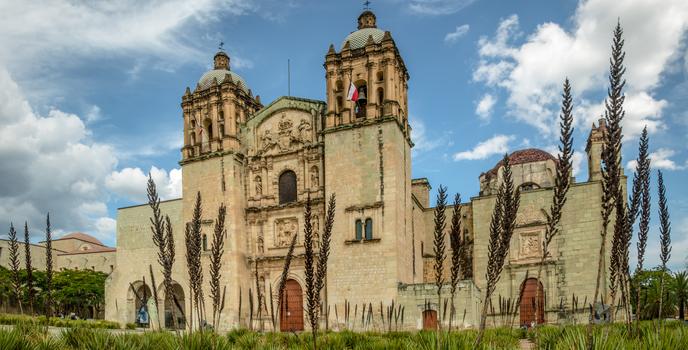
(359, 38)
(82, 237)
(523, 156)
(207, 79)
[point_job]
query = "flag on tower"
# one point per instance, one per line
(353, 93)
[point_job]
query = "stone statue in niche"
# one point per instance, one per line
(259, 186)
(530, 245)
(260, 245)
(315, 177)
(285, 230)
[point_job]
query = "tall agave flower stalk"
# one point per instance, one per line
(642, 177)
(439, 250)
(28, 267)
(612, 196)
(14, 265)
(562, 182)
(216, 253)
(664, 236)
(501, 229)
(316, 273)
(259, 295)
(163, 238)
(193, 241)
(456, 243)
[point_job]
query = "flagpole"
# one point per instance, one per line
(288, 77)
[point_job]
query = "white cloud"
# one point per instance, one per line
(498, 144)
(93, 114)
(532, 72)
(131, 183)
(454, 36)
(438, 7)
(659, 159)
(484, 107)
(421, 141)
(48, 165)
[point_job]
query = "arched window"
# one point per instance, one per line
(287, 187)
(369, 228)
(359, 230)
(529, 186)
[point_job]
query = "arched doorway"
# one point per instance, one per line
(174, 306)
(140, 296)
(291, 310)
(429, 320)
(528, 304)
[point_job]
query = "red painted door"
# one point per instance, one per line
(430, 319)
(291, 311)
(528, 305)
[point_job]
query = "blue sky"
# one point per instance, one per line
(90, 92)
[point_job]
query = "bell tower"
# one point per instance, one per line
(368, 59)
(368, 166)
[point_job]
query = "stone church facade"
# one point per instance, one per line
(263, 162)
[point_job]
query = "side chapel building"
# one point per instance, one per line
(263, 161)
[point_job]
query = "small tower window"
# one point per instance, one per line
(221, 115)
(359, 230)
(380, 76)
(221, 130)
(287, 187)
(205, 242)
(369, 228)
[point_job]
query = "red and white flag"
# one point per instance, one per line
(353, 93)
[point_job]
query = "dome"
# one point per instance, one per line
(82, 237)
(523, 156)
(359, 38)
(207, 79)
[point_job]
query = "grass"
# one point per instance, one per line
(33, 335)
(673, 336)
(10, 319)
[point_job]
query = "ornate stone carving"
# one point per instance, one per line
(529, 245)
(287, 135)
(260, 245)
(529, 215)
(285, 229)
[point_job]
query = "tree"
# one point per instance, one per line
(14, 265)
(501, 229)
(48, 268)
(648, 285)
(680, 289)
(612, 196)
(79, 291)
(664, 234)
(562, 181)
(28, 268)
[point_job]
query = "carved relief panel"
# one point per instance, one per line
(283, 132)
(529, 245)
(285, 229)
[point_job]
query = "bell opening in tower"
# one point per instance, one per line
(362, 102)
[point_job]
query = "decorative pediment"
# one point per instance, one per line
(530, 215)
(289, 132)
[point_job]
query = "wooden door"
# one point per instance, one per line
(291, 311)
(528, 306)
(430, 319)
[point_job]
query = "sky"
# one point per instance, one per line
(90, 92)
